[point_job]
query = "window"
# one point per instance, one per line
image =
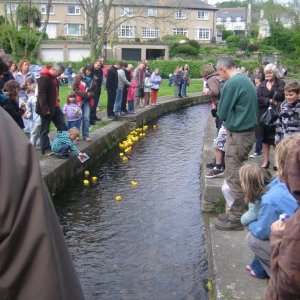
(203, 34)
(44, 9)
(73, 10)
(127, 11)
(11, 8)
(150, 32)
(126, 31)
(151, 12)
(228, 19)
(73, 29)
(219, 20)
(180, 31)
(238, 19)
(202, 15)
(180, 14)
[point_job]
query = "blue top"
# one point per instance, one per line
(252, 213)
(62, 138)
(276, 201)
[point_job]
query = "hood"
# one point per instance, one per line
(46, 71)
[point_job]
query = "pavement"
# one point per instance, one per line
(228, 251)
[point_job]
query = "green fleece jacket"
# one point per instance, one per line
(238, 104)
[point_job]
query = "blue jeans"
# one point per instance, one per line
(130, 106)
(70, 79)
(64, 151)
(118, 101)
(258, 146)
(183, 89)
(258, 268)
(72, 124)
(86, 109)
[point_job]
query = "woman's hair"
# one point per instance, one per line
(87, 67)
(3, 67)
(253, 180)
(207, 70)
(273, 68)
(21, 64)
(71, 94)
(11, 89)
(281, 153)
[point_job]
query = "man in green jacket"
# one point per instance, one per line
(238, 109)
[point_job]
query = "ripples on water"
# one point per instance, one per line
(151, 244)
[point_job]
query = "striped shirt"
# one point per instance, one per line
(62, 138)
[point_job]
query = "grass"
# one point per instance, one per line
(165, 90)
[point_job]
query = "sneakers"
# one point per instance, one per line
(88, 139)
(255, 154)
(229, 225)
(210, 165)
(223, 217)
(214, 173)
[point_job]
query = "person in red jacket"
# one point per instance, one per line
(48, 104)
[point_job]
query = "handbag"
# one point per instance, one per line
(269, 118)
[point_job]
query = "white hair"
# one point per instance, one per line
(271, 67)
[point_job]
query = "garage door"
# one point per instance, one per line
(52, 55)
(78, 54)
(131, 54)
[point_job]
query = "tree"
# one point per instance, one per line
(96, 9)
(20, 27)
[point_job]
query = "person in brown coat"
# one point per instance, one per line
(34, 259)
(285, 239)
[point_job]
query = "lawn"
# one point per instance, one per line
(165, 90)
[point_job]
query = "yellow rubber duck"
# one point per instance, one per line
(154, 126)
(86, 173)
(118, 198)
(127, 150)
(94, 178)
(133, 183)
(125, 158)
(121, 154)
(86, 182)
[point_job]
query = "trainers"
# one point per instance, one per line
(88, 139)
(215, 173)
(248, 268)
(210, 165)
(229, 225)
(255, 154)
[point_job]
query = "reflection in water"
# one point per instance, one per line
(151, 244)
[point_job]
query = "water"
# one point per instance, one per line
(151, 244)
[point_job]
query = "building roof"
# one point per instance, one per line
(175, 4)
(232, 12)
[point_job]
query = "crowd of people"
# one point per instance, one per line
(34, 103)
(268, 206)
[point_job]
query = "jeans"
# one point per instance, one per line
(86, 110)
(258, 268)
(258, 146)
(118, 101)
(183, 89)
(64, 151)
(70, 79)
(130, 106)
(177, 91)
(59, 121)
(72, 124)
(35, 132)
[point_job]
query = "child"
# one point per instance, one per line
(130, 97)
(147, 88)
(63, 143)
(288, 122)
(31, 115)
(177, 82)
(156, 81)
(11, 89)
(73, 111)
(254, 179)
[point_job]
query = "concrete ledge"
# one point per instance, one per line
(57, 173)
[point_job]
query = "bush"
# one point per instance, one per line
(184, 49)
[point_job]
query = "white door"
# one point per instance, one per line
(77, 54)
(55, 55)
(51, 30)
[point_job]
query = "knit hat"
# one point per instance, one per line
(207, 70)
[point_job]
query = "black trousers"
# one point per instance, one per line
(59, 121)
(124, 100)
(93, 114)
(111, 96)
